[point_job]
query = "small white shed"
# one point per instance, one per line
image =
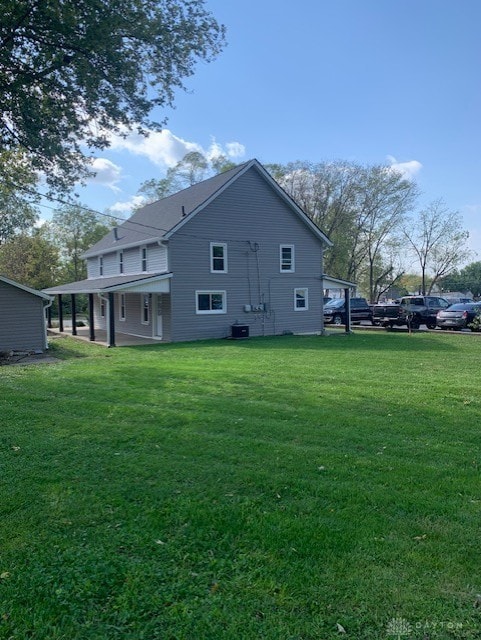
(22, 317)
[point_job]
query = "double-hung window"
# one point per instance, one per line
(218, 257)
(286, 258)
(122, 307)
(145, 308)
(101, 265)
(210, 302)
(143, 259)
(301, 299)
(121, 261)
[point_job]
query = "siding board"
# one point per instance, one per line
(253, 221)
(22, 320)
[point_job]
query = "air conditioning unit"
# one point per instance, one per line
(240, 331)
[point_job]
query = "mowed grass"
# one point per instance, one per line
(277, 488)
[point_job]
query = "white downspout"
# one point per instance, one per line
(47, 306)
(107, 324)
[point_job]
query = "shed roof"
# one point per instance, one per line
(23, 287)
(106, 284)
(328, 282)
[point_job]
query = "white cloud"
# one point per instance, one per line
(165, 149)
(408, 169)
(235, 150)
(232, 150)
(128, 205)
(107, 173)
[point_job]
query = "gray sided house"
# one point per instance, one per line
(233, 250)
(22, 317)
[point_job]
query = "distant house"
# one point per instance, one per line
(22, 317)
(233, 255)
(454, 297)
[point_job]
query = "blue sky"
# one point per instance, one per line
(373, 81)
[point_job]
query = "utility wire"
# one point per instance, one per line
(117, 218)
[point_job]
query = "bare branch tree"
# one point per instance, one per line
(437, 241)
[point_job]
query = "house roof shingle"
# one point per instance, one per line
(156, 219)
(161, 218)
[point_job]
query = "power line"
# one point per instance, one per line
(90, 210)
(117, 218)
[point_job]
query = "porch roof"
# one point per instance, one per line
(152, 283)
(328, 282)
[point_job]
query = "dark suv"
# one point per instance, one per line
(335, 311)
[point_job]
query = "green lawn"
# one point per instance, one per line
(290, 488)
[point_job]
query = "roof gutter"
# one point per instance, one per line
(130, 245)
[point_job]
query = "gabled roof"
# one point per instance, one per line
(154, 220)
(161, 219)
(34, 292)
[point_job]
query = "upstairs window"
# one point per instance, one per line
(121, 261)
(218, 257)
(101, 265)
(143, 259)
(301, 299)
(286, 256)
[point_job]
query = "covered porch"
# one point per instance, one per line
(107, 308)
(328, 282)
(102, 337)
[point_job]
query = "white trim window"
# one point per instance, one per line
(101, 265)
(143, 259)
(286, 258)
(122, 314)
(210, 302)
(301, 299)
(145, 308)
(121, 261)
(102, 308)
(218, 257)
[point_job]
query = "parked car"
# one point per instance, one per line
(458, 300)
(412, 311)
(458, 316)
(335, 311)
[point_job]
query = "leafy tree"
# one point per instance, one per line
(190, 170)
(387, 272)
(360, 208)
(31, 259)
(17, 208)
(386, 198)
(221, 163)
(467, 279)
(327, 192)
(437, 241)
(194, 167)
(156, 189)
(75, 229)
(74, 72)
(411, 283)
